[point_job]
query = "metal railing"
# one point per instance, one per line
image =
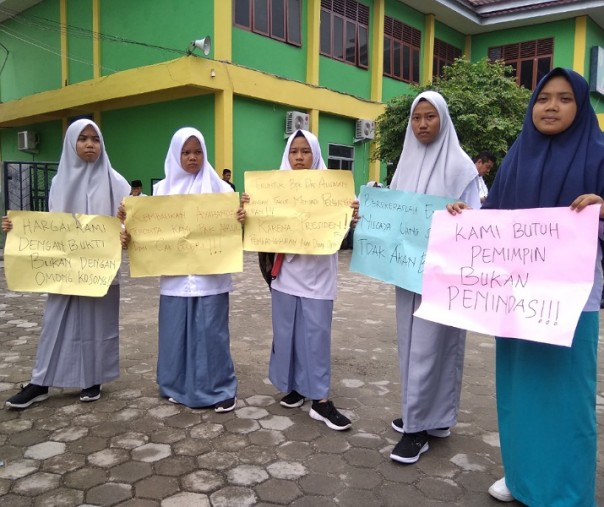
(26, 185)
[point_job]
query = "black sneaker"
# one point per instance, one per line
(410, 446)
(326, 412)
(92, 393)
(397, 425)
(292, 400)
(226, 405)
(29, 394)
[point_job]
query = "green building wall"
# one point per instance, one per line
(51, 143)
(79, 48)
(268, 55)
(169, 24)
(33, 64)
(258, 137)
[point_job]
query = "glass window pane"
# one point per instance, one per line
(406, 63)
(387, 56)
(333, 163)
(293, 22)
(261, 16)
(341, 151)
(351, 42)
(242, 13)
(347, 165)
(278, 19)
(397, 60)
(544, 65)
(416, 65)
(363, 47)
(325, 33)
(526, 74)
(338, 38)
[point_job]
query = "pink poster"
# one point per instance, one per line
(512, 273)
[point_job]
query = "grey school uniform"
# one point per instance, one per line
(302, 308)
(431, 361)
(79, 343)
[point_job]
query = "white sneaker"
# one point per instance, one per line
(500, 491)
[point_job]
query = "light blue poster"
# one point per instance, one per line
(391, 237)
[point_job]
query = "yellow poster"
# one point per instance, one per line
(62, 253)
(303, 211)
(195, 234)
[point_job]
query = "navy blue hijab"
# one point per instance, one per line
(543, 171)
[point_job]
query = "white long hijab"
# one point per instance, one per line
(440, 168)
(317, 159)
(179, 181)
(92, 188)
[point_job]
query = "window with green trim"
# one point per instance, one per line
(444, 54)
(344, 31)
(402, 46)
(530, 60)
(277, 19)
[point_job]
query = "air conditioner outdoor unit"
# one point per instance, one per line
(365, 129)
(28, 141)
(295, 120)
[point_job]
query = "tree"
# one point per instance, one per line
(486, 105)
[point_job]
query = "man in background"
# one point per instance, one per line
(226, 176)
(484, 162)
(136, 188)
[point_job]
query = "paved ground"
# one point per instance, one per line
(133, 448)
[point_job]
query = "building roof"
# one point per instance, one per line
(465, 16)
(8, 8)
(478, 16)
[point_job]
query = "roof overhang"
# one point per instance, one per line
(472, 17)
(10, 8)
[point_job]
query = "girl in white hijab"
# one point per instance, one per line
(79, 343)
(430, 355)
(194, 365)
(302, 307)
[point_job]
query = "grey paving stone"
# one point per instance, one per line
(130, 472)
(202, 481)
(36, 484)
(217, 460)
(157, 487)
(175, 466)
(109, 494)
(85, 478)
(186, 500)
(320, 484)
(278, 491)
(233, 496)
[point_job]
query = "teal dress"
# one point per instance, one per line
(546, 399)
(546, 394)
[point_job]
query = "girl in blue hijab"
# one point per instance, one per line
(546, 394)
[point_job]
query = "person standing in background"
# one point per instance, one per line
(137, 188)
(226, 176)
(484, 162)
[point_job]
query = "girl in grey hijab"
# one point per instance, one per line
(79, 343)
